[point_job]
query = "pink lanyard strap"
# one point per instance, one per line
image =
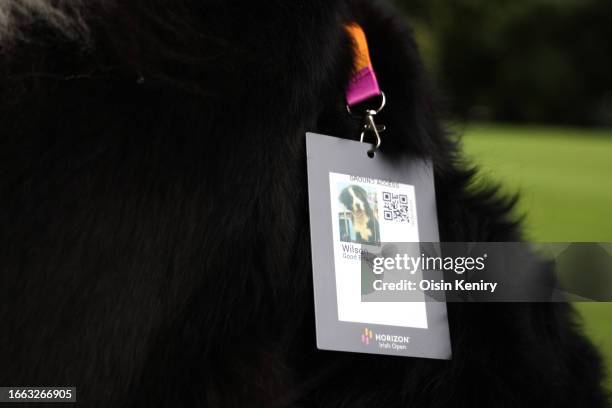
(363, 84)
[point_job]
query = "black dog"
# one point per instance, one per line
(154, 227)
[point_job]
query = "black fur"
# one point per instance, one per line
(153, 221)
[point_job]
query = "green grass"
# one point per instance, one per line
(564, 176)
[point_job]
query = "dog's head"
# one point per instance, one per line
(355, 199)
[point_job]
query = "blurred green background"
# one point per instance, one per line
(564, 176)
(527, 85)
(519, 60)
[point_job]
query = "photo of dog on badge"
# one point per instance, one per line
(358, 218)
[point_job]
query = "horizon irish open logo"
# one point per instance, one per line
(366, 336)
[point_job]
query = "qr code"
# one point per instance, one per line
(396, 207)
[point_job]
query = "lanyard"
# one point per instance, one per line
(363, 85)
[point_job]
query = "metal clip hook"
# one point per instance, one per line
(368, 125)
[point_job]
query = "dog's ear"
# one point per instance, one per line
(345, 198)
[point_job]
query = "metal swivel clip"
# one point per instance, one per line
(368, 126)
